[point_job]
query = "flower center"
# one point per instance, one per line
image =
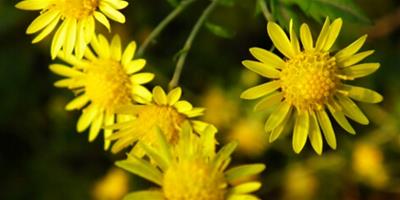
(167, 118)
(77, 9)
(108, 85)
(309, 79)
(193, 180)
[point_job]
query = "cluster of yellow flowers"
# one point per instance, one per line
(167, 145)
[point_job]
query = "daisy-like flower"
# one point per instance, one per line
(191, 170)
(309, 81)
(77, 27)
(105, 80)
(162, 110)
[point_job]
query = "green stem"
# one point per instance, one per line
(164, 23)
(188, 44)
(267, 14)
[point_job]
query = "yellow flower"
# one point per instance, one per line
(191, 170)
(105, 81)
(311, 80)
(161, 110)
(77, 27)
(113, 186)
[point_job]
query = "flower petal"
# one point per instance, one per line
(261, 68)
(111, 12)
(280, 40)
(306, 37)
(142, 78)
(361, 70)
(333, 32)
(88, 114)
(268, 101)
(159, 96)
(351, 110)
(315, 134)
(135, 66)
(362, 94)
(78, 102)
(267, 57)
(340, 118)
(174, 96)
(277, 116)
(42, 21)
(116, 48)
(323, 35)
(300, 132)
(350, 50)
(128, 54)
(95, 127)
(327, 129)
(260, 90)
(354, 59)
(102, 19)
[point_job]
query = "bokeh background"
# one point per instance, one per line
(42, 157)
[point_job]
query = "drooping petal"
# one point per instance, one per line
(278, 116)
(46, 31)
(260, 90)
(280, 40)
(301, 129)
(88, 114)
(42, 21)
(279, 129)
(327, 129)
(111, 12)
(351, 110)
(340, 118)
(95, 127)
(102, 19)
(59, 39)
(315, 134)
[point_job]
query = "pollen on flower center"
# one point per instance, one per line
(167, 118)
(107, 84)
(309, 79)
(193, 180)
(77, 9)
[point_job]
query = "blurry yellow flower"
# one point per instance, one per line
(77, 18)
(368, 164)
(250, 136)
(300, 183)
(105, 81)
(311, 80)
(191, 170)
(221, 110)
(114, 186)
(165, 111)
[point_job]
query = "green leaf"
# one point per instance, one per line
(173, 3)
(319, 9)
(219, 30)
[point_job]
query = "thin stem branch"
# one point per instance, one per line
(188, 44)
(264, 8)
(164, 23)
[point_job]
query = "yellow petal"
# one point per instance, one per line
(33, 4)
(135, 66)
(128, 54)
(117, 4)
(351, 49)
(351, 110)
(327, 129)
(95, 127)
(293, 38)
(64, 70)
(361, 70)
(142, 78)
(141, 94)
(268, 101)
(116, 48)
(42, 21)
(81, 44)
(267, 57)
(70, 37)
(315, 134)
(341, 119)
(88, 114)
(89, 29)
(183, 106)
(261, 68)
(333, 32)
(279, 129)
(102, 19)
(159, 96)
(260, 90)
(111, 12)
(46, 31)
(323, 35)
(278, 116)
(280, 40)
(174, 96)
(300, 132)
(58, 39)
(356, 58)
(104, 47)
(77, 103)
(108, 121)
(306, 37)
(362, 94)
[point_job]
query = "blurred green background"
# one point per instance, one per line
(42, 157)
